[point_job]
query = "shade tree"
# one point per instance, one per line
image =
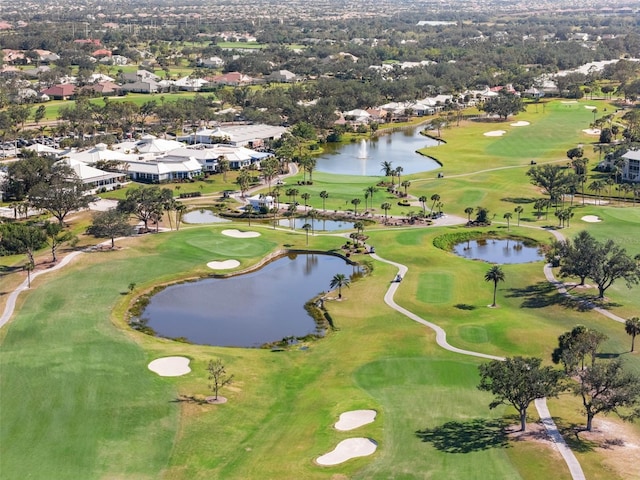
(518, 381)
(110, 224)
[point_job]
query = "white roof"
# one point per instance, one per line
(165, 165)
(88, 173)
(98, 153)
(190, 82)
(39, 148)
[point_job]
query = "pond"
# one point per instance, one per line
(246, 310)
(364, 157)
(499, 251)
(319, 225)
(202, 216)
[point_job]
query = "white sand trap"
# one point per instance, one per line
(592, 131)
(569, 102)
(226, 264)
(170, 366)
(590, 107)
(495, 133)
(520, 123)
(348, 449)
(355, 419)
(591, 219)
(239, 234)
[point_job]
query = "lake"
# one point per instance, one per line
(248, 310)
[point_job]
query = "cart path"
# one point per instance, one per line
(441, 339)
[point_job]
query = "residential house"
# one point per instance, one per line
(103, 89)
(631, 166)
(189, 84)
(282, 76)
(251, 135)
(143, 86)
(45, 56)
(140, 75)
(62, 91)
(235, 79)
(211, 62)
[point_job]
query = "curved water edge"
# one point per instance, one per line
(363, 157)
(285, 304)
(526, 249)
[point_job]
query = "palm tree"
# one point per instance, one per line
(398, 171)
(632, 327)
(387, 168)
(338, 281)
(306, 228)
(518, 210)
(495, 275)
(406, 184)
(435, 197)
(468, 211)
(249, 211)
(386, 206)
(355, 202)
(596, 186)
(371, 190)
(324, 195)
(223, 167)
(507, 216)
(291, 211)
(423, 201)
(305, 196)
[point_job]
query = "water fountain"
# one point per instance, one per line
(362, 151)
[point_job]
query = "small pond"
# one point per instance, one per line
(319, 225)
(364, 157)
(202, 216)
(499, 251)
(246, 310)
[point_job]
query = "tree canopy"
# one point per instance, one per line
(518, 381)
(504, 104)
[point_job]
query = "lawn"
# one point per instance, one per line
(76, 393)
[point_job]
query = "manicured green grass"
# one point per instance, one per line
(76, 394)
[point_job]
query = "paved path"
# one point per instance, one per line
(441, 339)
(13, 296)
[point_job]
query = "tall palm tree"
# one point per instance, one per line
(355, 202)
(435, 197)
(387, 168)
(518, 211)
(386, 206)
(307, 227)
(632, 327)
(495, 275)
(398, 171)
(305, 196)
(406, 184)
(324, 195)
(371, 190)
(596, 186)
(507, 216)
(468, 211)
(338, 281)
(423, 201)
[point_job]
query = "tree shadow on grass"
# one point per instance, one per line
(465, 306)
(538, 295)
(464, 437)
(571, 434)
(518, 199)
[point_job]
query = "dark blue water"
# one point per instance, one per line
(498, 251)
(246, 310)
(364, 157)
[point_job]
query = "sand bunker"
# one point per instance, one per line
(569, 102)
(239, 234)
(590, 107)
(591, 219)
(495, 133)
(226, 264)
(592, 131)
(355, 419)
(348, 449)
(520, 123)
(170, 366)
